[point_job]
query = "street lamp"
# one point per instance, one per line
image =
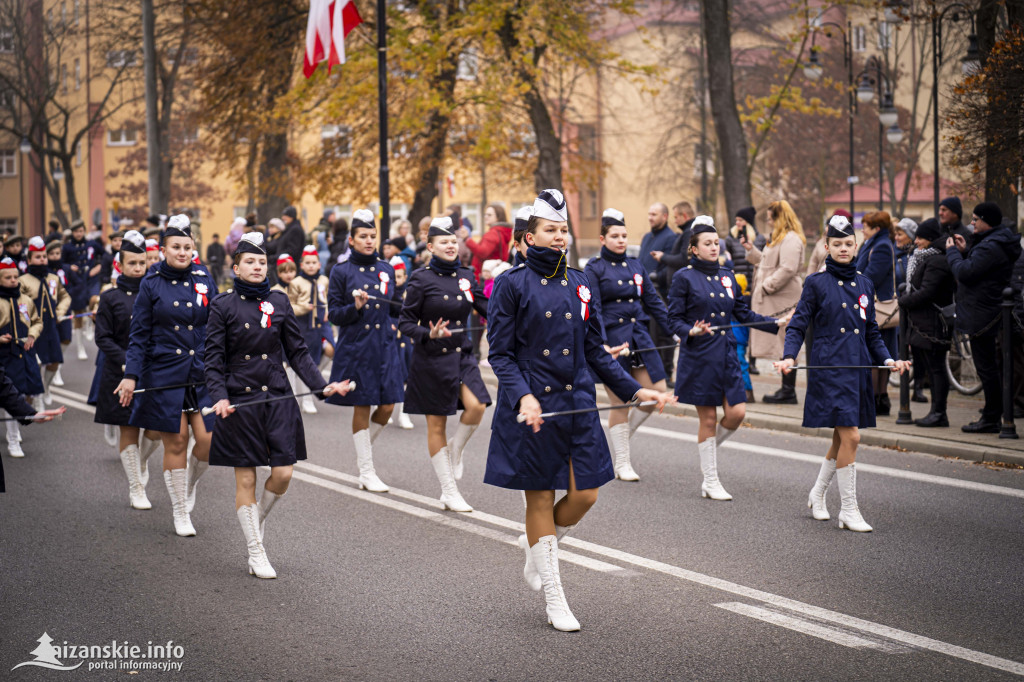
(894, 134)
(812, 69)
(971, 62)
(887, 114)
(865, 90)
(58, 172)
(25, 147)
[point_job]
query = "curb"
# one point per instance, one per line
(870, 437)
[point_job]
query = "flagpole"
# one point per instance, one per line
(382, 114)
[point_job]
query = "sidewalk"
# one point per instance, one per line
(945, 442)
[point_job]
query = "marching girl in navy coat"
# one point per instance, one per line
(56, 267)
(876, 261)
(20, 326)
(544, 343)
(52, 302)
(368, 350)
(444, 374)
(168, 336)
(251, 332)
(113, 324)
(308, 295)
(82, 264)
(404, 343)
(704, 295)
(840, 303)
(624, 298)
(518, 244)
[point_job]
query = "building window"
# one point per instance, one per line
(63, 14)
(78, 74)
(79, 154)
(6, 41)
(77, 11)
(587, 141)
(117, 59)
(860, 39)
(64, 78)
(49, 19)
(884, 35)
(190, 57)
(8, 162)
(337, 140)
(9, 224)
(124, 137)
(6, 100)
(592, 208)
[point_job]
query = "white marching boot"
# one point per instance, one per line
(47, 381)
(375, 430)
(266, 503)
(259, 564)
(58, 380)
(816, 500)
(308, 405)
(462, 435)
(722, 434)
(37, 403)
(364, 460)
(111, 434)
(619, 436)
(14, 438)
(89, 329)
(196, 468)
(545, 558)
(402, 419)
(79, 344)
(530, 569)
(636, 418)
(711, 487)
(147, 448)
(450, 496)
(849, 513)
(175, 482)
(136, 491)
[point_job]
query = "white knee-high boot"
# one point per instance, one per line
(450, 496)
(146, 448)
(196, 468)
(530, 569)
(368, 479)
(711, 487)
(79, 343)
(136, 491)
(401, 418)
(545, 557)
(58, 380)
(849, 513)
(816, 500)
(266, 503)
(259, 564)
(636, 418)
(463, 432)
(175, 480)
(619, 437)
(47, 381)
(375, 430)
(13, 436)
(723, 434)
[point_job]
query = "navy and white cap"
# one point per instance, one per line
(523, 216)
(363, 218)
(251, 242)
(550, 205)
(441, 227)
(133, 242)
(612, 217)
(702, 224)
(839, 227)
(178, 226)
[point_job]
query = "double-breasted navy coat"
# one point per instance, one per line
(248, 338)
(52, 302)
(709, 369)
(845, 333)
(57, 268)
(309, 303)
(18, 317)
(625, 300)
(113, 326)
(545, 340)
(168, 339)
(367, 352)
(440, 366)
(84, 255)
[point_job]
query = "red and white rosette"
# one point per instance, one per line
(267, 308)
(384, 279)
(23, 309)
(52, 284)
(89, 252)
(584, 293)
(727, 283)
(201, 291)
(638, 280)
(863, 301)
(466, 288)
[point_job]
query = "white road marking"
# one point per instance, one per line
(808, 627)
(861, 468)
(75, 400)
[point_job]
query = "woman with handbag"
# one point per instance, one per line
(931, 288)
(876, 260)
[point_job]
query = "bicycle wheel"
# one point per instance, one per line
(960, 366)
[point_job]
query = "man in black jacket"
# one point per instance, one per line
(215, 256)
(293, 238)
(982, 266)
(1017, 282)
(673, 260)
(951, 213)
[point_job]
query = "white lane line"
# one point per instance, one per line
(807, 627)
(863, 468)
(75, 400)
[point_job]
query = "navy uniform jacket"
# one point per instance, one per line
(113, 326)
(57, 268)
(545, 340)
(624, 299)
(309, 303)
(85, 255)
(708, 368)
(845, 333)
(367, 351)
(168, 339)
(876, 261)
(439, 366)
(19, 318)
(52, 302)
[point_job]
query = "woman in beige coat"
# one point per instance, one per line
(778, 282)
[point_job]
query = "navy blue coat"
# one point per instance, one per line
(625, 301)
(113, 326)
(64, 328)
(367, 351)
(661, 240)
(440, 366)
(981, 275)
(876, 261)
(85, 255)
(51, 302)
(845, 333)
(168, 339)
(545, 341)
(246, 349)
(708, 368)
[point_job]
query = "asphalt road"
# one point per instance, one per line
(375, 587)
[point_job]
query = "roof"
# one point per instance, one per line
(921, 190)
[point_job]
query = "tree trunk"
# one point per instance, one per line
(273, 176)
(159, 185)
(732, 142)
(433, 152)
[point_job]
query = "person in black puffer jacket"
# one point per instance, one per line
(983, 267)
(744, 229)
(931, 288)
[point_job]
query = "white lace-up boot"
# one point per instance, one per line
(711, 487)
(619, 436)
(458, 445)
(259, 564)
(112, 435)
(530, 569)
(450, 496)
(80, 344)
(368, 479)
(196, 468)
(175, 482)
(13, 437)
(47, 382)
(816, 500)
(58, 380)
(849, 513)
(636, 418)
(147, 448)
(375, 430)
(545, 558)
(37, 403)
(400, 417)
(266, 503)
(136, 492)
(722, 434)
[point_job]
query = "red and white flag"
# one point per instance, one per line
(329, 22)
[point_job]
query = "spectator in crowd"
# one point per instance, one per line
(273, 243)
(234, 234)
(930, 288)
(655, 243)
(876, 260)
(421, 232)
(494, 244)
(54, 232)
(1017, 282)
(983, 267)
(778, 282)
(215, 257)
(293, 237)
(951, 215)
(678, 256)
(906, 229)
(403, 228)
(743, 229)
(339, 244)
(322, 237)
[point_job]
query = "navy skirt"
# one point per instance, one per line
(47, 346)
(435, 383)
(108, 407)
(263, 435)
(23, 372)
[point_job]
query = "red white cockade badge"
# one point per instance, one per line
(267, 308)
(201, 291)
(863, 301)
(584, 293)
(384, 279)
(727, 283)
(638, 280)
(466, 288)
